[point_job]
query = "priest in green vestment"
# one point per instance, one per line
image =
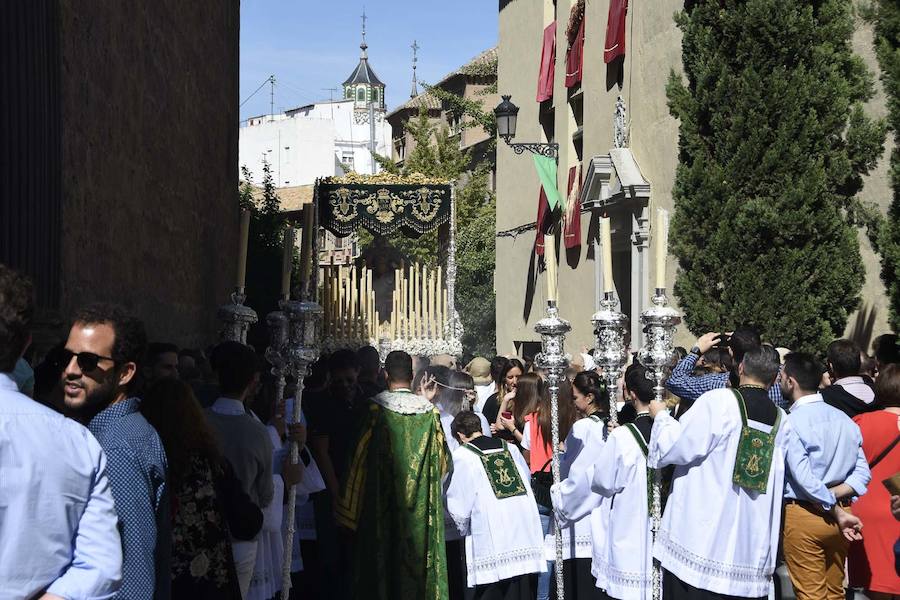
(392, 496)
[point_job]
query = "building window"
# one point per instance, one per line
(360, 94)
(347, 159)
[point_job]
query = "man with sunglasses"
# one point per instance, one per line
(58, 536)
(101, 361)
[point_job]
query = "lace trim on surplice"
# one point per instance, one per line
(709, 567)
(504, 559)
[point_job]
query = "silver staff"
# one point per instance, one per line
(554, 360)
(299, 351)
(236, 318)
(660, 322)
(610, 352)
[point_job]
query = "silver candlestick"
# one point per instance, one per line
(554, 360)
(277, 323)
(660, 322)
(301, 348)
(236, 318)
(610, 352)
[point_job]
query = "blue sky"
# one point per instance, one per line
(312, 45)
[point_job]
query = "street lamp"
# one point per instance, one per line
(551, 328)
(506, 115)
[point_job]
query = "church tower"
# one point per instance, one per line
(363, 85)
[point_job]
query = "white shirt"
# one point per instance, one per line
(484, 392)
(714, 534)
(58, 524)
(857, 387)
(624, 559)
(503, 537)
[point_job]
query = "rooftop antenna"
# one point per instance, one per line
(271, 98)
(415, 89)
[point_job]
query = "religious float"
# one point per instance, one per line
(384, 298)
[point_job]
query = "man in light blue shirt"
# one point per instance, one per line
(814, 547)
(58, 524)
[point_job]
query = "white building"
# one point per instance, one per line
(321, 139)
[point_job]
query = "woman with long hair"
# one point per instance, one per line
(507, 381)
(515, 405)
(202, 565)
(590, 399)
(871, 560)
(536, 438)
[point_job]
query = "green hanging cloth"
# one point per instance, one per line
(546, 170)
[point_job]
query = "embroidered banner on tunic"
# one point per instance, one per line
(501, 471)
(382, 208)
(754, 452)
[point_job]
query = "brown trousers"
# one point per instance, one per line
(815, 551)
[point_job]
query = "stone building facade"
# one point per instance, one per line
(119, 178)
(627, 184)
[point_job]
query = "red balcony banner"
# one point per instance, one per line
(615, 30)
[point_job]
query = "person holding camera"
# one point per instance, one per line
(688, 387)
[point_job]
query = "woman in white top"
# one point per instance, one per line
(583, 444)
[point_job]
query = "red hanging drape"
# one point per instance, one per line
(575, 58)
(572, 225)
(615, 30)
(543, 222)
(548, 64)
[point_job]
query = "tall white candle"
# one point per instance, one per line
(662, 243)
(606, 252)
(550, 263)
(242, 248)
(287, 259)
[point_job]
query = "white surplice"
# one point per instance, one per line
(572, 498)
(503, 537)
(625, 560)
(716, 535)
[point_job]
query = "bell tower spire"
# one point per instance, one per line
(415, 87)
(363, 46)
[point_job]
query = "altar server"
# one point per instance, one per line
(621, 476)
(719, 533)
(573, 501)
(492, 504)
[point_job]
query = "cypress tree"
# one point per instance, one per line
(773, 144)
(887, 241)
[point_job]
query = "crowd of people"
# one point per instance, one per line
(133, 470)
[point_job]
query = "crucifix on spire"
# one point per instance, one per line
(415, 89)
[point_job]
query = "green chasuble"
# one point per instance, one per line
(392, 500)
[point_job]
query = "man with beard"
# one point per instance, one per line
(102, 359)
(58, 532)
(814, 547)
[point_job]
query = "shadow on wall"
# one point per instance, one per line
(861, 331)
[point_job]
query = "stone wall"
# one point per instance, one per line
(149, 160)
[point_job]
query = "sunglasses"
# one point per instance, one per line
(87, 361)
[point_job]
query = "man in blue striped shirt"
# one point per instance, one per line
(102, 360)
(688, 387)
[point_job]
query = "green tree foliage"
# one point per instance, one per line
(773, 145)
(437, 154)
(264, 249)
(887, 240)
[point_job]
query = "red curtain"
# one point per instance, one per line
(543, 222)
(615, 30)
(572, 226)
(575, 58)
(548, 64)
